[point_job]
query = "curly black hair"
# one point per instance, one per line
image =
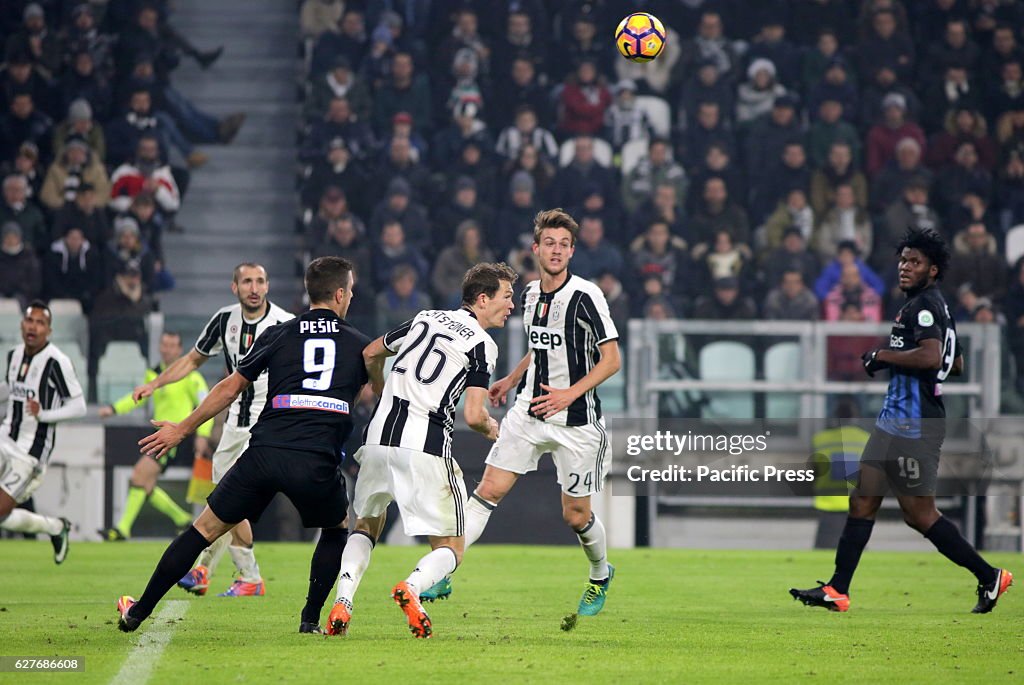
(931, 244)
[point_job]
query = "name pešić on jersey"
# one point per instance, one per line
(46, 377)
(915, 395)
(313, 370)
(440, 354)
(229, 332)
(563, 331)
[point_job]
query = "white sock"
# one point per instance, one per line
(432, 568)
(245, 562)
(212, 555)
(478, 511)
(354, 561)
(595, 546)
(24, 521)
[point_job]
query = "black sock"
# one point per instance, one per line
(323, 571)
(856, 534)
(175, 563)
(948, 540)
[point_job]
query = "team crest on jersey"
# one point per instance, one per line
(556, 312)
(925, 318)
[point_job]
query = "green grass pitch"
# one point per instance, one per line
(672, 616)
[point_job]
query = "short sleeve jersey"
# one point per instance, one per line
(916, 394)
(314, 366)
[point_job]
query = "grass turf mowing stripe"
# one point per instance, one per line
(144, 656)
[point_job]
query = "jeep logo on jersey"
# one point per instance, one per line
(542, 338)
(20, 391)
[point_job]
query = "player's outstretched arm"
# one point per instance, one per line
(179, 368)
(169, 435)
(374, 355)
(558, 399)
(501, 388)
(475, 413)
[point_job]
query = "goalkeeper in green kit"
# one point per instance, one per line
(173, 403)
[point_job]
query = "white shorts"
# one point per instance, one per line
(581, 453)
(233, 441)
(429, 490)
(20, 474)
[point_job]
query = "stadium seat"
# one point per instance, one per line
(10, 316)
(69, 322)
(631, 154)
(120, 369)
(727, 361)
(10, 306)
(658, 113)
(782, 363)
(602, 152)
(613, 393)
(1015, 244)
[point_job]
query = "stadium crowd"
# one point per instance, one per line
(802, 137)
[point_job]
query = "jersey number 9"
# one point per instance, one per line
(322, 348)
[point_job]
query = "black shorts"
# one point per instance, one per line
(311, 480)
(911, 465)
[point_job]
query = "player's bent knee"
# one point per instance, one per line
(576, 517)
(210, 526)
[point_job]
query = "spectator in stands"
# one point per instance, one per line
(831, 275)
(37, 40)
(962, 125)
(625, 120)
(467, 84)
(1008, 93)
(911, 210)
(339, 122)
(838, 169)
(885, 82)
(453, 262)
(466, 126)
(19, 268)
(339, 82)
(844, 351)
(320, 16)
(657, 252)
(80, 123)
(756, 96)
(837, 85)
(513, 226)
(86, 214)
(583, 44)
(722, 257)
(961, 177)
(769, 135)
(1003, 48)
(402, 299)
(337, 169)
(119, 313)
(26, 164)
(844, 222)
(897, 172)
(583, 101)
(852, 290)
(1010, 134)
(75, 166)
(789, 172)
(711, 43)
(830, 128)
(885, 135)
(399, 206)
(594, 204)
(83, 36)
(716, 162)
(18, 208)
(572, 182)
(524, 90)
(1013, 306)
(151, 225)
(707, 129)
(652, 170)
(24, 123)
(719, 212)
(82, 81)
(812, 18)
(664, 205)
(400, 162)
(594, 253)
(791, 255)
(376, 65)
(791, 211)
(406, 91)
(953, 91)
(21, 75)
(123, 133)
(393, 251)
(343, 239)
(333, 205)
(704, 85)
(145, 174)
(465, 206)
(618, 302)
(72, 269)
(520, 41)
(976, 260)
(791, 299)
(475, 162)
(816, 60)
(956, 47)
(537, 166)
(526, 131)
(126, 247)
(771, 44)
(725, 303)
(886, 42)
(349, 42)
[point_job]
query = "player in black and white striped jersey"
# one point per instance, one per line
(232, 331)
(407, 455)
(573, 348)
(42, 390)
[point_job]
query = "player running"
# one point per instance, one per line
(315, 369)
(573, 349)
(903, 450)
(233, 331)
(407, 455)
(173, 402)
(42, 390)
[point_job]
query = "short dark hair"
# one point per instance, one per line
(554, 218)
(246, 265)
(39, 304)
(172, 334)
(485, 278)
(931, 244)
(325, 276)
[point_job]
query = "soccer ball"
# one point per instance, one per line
(640, 37)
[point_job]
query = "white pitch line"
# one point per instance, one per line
(144, 656)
